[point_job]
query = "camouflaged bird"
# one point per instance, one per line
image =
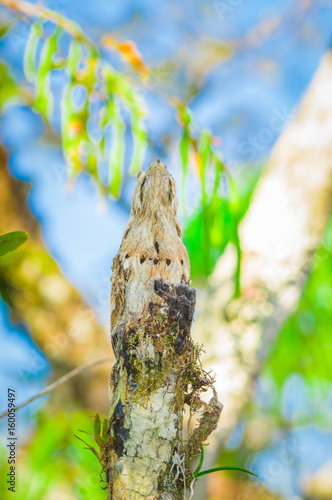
(151, 247)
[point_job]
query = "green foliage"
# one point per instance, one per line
(222, 204)
(51, 463)
(11, 241)
(116, 151)
(44, 98)
(99, 436)
(29, 62)
(199, 473)
(215, 222)
(218, 469)
(93, 130)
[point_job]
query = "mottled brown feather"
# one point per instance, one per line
(152, 246)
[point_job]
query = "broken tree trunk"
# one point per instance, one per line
(157, 369)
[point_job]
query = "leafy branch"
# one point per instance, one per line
(94, 99)
(102, 107)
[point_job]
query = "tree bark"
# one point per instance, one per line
(157, 368)
(279, 235)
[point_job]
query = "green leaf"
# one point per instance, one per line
(85, 432)
(200, 461)
(104, 430)
(29, 61)
(97, 426)
(44, 99)
(95, 452)
(140, 142)
(184, 150)
(74, 133)
(73, 59)
(184, 114)
(89, 74)
(216, 469)
(92, 161)
(118, 85)
(116, 155)
(184, 153)
(11, 241)
(204, 151)
(197, 472)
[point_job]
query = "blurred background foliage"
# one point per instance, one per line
(98, 98)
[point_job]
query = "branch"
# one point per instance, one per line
(61, 381)
(39, 11)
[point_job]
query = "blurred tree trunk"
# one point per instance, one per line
(64, 328)
(279, 235)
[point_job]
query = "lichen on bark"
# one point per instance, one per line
(157, 368)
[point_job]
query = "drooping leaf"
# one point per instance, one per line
(184, 115)
(94, 451)
(184, 150)
(44, 99)
(198, 472)
(74, 132)
(74, 58)
(204, 151)
(140, 142)
(217, 469)
(116, 155)
(117, 86)
(97, 426)
(85, 432)
(89, 72)
(29, 61)
(184, 153)
(11, 241)
(91, 162)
